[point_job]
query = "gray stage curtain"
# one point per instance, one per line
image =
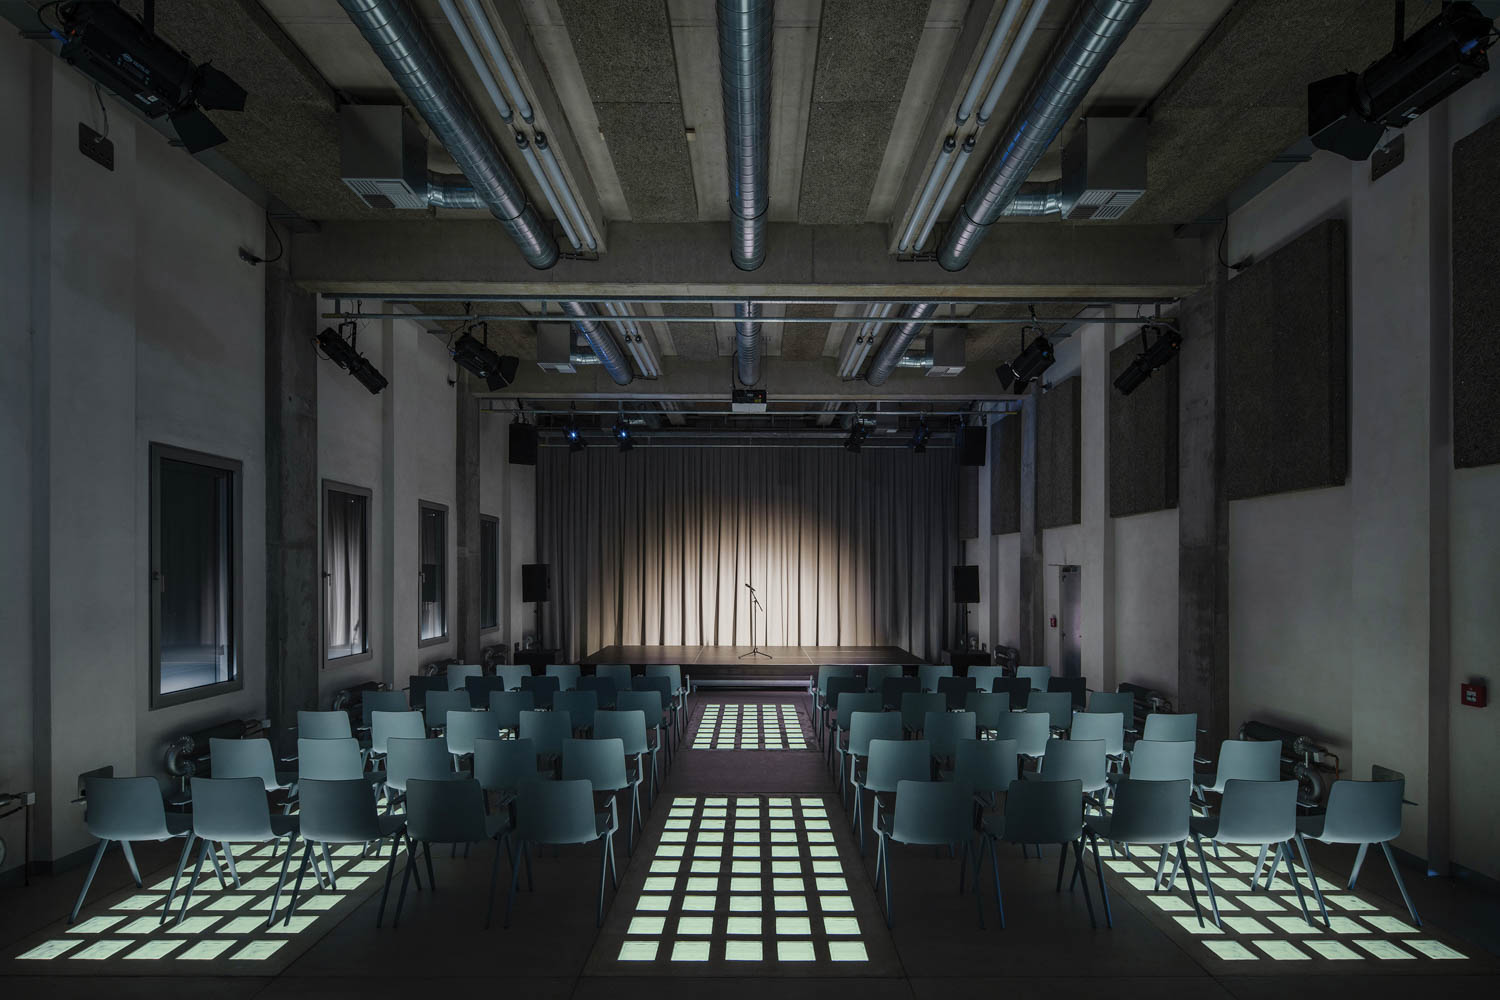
(654, 546)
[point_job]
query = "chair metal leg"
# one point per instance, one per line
(515, 878)
(1109, 916)
(885, 852)
(1401, 884)
(390, 869)
(603, 867)
(286, 858)
(1285, 848)
(187, 848)
(135, 872)
(229, 862)
(1359, 861)
(88, 880)
(1062, 861)
(427, 857)
(401, 896)
(995, 871)
(1260, 864)
(1313, 878)
(500, 848)
(187, 896)
(291, 907)
(1078, 860)
(526, 856)
(1276, 857)
(1208, 883)
(411, 848)
(614, 881)
(1161, 865)
(1187, 870)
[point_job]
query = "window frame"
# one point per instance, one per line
(422, 507)
(494, 574)
(331, 486)
(236, 533)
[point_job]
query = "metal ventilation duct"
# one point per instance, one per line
(747, 341)
(401, 43)
(1036, 199)
(452, 191)
(1092, 37)
(914, 317)
(745, 72)
(604, 345)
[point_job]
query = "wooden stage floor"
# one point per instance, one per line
(780, 658)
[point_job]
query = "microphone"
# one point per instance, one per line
(749, 587)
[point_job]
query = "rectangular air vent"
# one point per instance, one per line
(946, 344)
(1104, 168)
(383, 156)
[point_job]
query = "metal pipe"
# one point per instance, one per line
(401, 43)
(987, 61)
(1036, 199)
(497, 53)
(461, 29)
(541, 179)
(452, 191)
(928, 190)
(560, 183)
(913, 318)
(744, 30)
(747, 341)
(1008, 68)
(948, 185)
(912, 359)
(794, 300)
(525, 317)
(608, 352)
(1093, 36)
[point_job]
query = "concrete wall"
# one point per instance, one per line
(1145, 599)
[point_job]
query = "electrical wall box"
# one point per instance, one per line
(554, 348)
(1104, 168)
(383, 156)
(1474, 694)
(947, 347)
(748, 401)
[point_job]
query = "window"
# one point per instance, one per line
(195, 587)
(489, 572)
(346, 571)
(432, 604)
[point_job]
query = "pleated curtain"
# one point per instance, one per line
(653, 546)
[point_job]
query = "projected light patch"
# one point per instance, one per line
(744, 879)
(1266, 925)
(770, 726)
(222, 922)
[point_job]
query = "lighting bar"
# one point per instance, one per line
(497, 53)
(461, 29)
(942, 199)
(1008, 68)
(987, 61)
(934, 177)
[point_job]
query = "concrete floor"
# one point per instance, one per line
(935, 949)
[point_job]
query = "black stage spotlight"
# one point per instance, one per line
(622, 435)
(344, 354)
(857, 435)
(1152, 357)
(498, 371)
(918, 442)
(575, 439)
(1035, 358)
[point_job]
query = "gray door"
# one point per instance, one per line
(1070, 619)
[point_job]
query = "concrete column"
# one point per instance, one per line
(467, 612)
(293, 570)
(1203, 513)
(1098, 584)
(1031, 636)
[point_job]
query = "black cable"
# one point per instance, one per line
(99, 96)
(1223, 234)
(43, 21)
(251, 259)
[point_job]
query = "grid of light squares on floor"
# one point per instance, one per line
(768, 726)
(228, 923)
(745, 879)
(1267, 925)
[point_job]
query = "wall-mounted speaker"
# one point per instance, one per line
(533, 583)
(523, 439)
(972, 445)
(966, 585)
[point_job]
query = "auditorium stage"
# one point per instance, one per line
(780, 657)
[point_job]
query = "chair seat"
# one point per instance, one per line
(1204, 826)
(285, 826)
(1312, 826)
(179, 825)
(390, 824)
(497, 824)
(1098, 825)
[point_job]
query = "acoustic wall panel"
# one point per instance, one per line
(1142, 438)
(1286, 368)
(1005, 476)
(1476, 299)
(1059, 485)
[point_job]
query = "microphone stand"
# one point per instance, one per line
(754, 603)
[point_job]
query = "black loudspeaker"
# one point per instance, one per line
(533, 583)
(522, 444)
(972, 445)
(966, 584)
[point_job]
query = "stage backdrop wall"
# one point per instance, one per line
(654, 546)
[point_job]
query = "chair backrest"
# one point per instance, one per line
(512, 674)
(915, 708)
(381, 701)
(855, 701)
(1161, 760)
(556, 812)
(402, 725)
(891, 761)
(231, 809)
(629, 727)
(407, 759)
(508, 706)
(660, 684)
(480, 689)
(987, 707)
(828, 671)
(1019, 690)
(604, 689)
(1257, 812)
(600, 762)
(1106, 726)
(984, 676)
(986, 765)
(466, 727)
(125, 808)
(1165, 728)
(459, 674)
(440, 703)
(1056, 705)
(324, 725)
(1111, 702)
(872, 725)
(943, 730)
(419, 685)
(1035, 676)
(1076, 687)
(932, 812)
(930, 673)
(541, 688)
(648, 703)
(580, 704)
(893, 689)
(671, 671)
(838, 686)
(337, 812)
(1249, 760)
(1043, 812)
(567, 674)
(501, 765)
(1151, 812)
(617, 672)
(243, 759)
(1030, 731)
(876, 674)
(1363, 812)
(956, 689)
(445, 812)
(1081, 759)
(329, 760)
(546, 730)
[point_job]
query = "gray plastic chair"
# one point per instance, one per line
(508, 706)
(1035, 676)
(546, 730)
(826, 673)
(893, 689)
(1083, 760)
(1043, 812)
(402, 725)
(252, 759)
(1018, 689)
(459, 674)
(916, 707)
(1106, 726)
(1057, 706)
(604, 689)
(629, 727)
(334, 813)
(986, 766)
(956, 690)
(676, 693)
(480, 689)
(1111, 702)
(1031, 732)
(984, 676)
(561, 812)
(1248, 760)
(1260, 813)
(231, 811)
(1363, 813)
(121, 810)
(618, 673)
(943, 730)
(864, 727)
(1149, 814)
(658, 720)
(466, 727)
(1160, 760)
(602, 764)
(440, 703)
(987, 708)
(662, 686)
(381, 701)
(1162, 727)
(418, 686)
(849, 703)
(502, 765)
(925, 813)
(451, 812)
(567, 674)
(837, 688)
(888, 763)
(542, 688)
(412, 758)
(580, 706)
(334, 760)
(512, 673)
(876, 674)
(324, 725)
(930, 673)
